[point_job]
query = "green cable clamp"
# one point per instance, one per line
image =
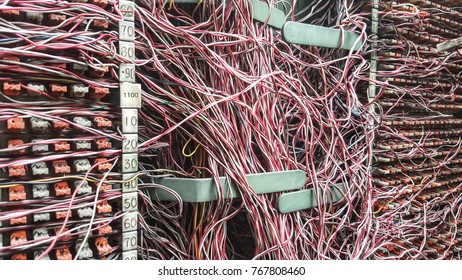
(204, 190)
(319, 36)
(261, 12)
(305, 199)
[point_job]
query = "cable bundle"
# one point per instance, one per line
(417, 189)
(225, 96)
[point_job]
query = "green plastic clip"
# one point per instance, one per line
(262, 13)
(204, 190)
(305, 199)
(319, 36)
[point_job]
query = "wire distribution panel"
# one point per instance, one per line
(418, 153)
(63, 68)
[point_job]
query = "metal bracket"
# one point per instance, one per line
(204, 190)
(319, 36)
(305, 199)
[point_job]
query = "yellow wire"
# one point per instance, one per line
(197, 6)
(184, 148)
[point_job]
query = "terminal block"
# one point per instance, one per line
(11, 88)
(102, 123)
(100, 24)
(40, 233)
(62, 189)
(57, 90)
(61, 167)
(62, 214)
(34, 17)
(85, 252)
(103, 165)
(63, 253)
(99, 72)
(103, 187)
(101, 3)
(41, 217)
(79, 90)
(17, 171)
(66, 236)
(17, 193)
(38, 125)
(35, 89)
(79, 68)
(60, 125)
(105, 230)
(98, 92)
(85, 212)
(13, 143)
(18, 238)
(62, 146)
(40, 191)
(84, 189)
(82, 145)
(103, 207)
(15, 125)
(40, 168)
(19, 257)
(82, 165)
(39, 148)
(55, 19)
(82, 121)
(18, 221)
(10, 14)
(102, 246)
(103, 144)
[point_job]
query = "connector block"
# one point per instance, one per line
(82, 145)
(14, 143)
(61, 167)
(84, 189)
(62, 189)
(102, 123)
(98, 92)
(39, 148)
(84, 212)
(82, 121)
(86, 252)
(40, 233)
(11, 88)
(62, 146)
(103, 144)
(79, 90)
(38, 125)
(103, 165)
(63, 254)
(15, 125)
(17, 193)
(82, 165)
(18, 238)
(41, 217)
(16, 171)
(103, 207)
(102, 246)
(40, 168)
